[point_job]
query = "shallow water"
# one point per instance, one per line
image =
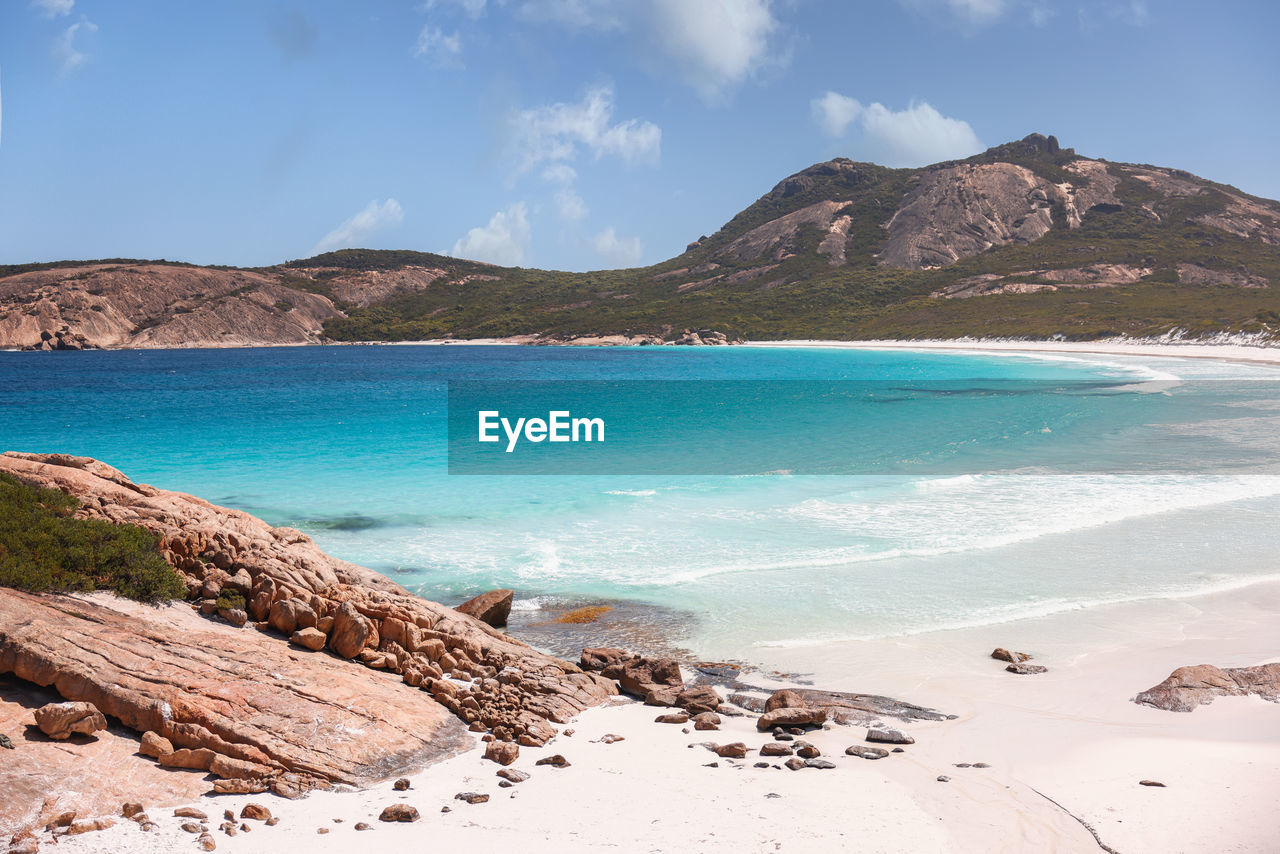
(348, 444)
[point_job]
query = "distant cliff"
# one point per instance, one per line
(1055, 244)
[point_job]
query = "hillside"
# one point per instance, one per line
(1024, 240)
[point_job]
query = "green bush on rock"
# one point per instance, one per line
(43, 548)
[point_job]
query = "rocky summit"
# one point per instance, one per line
(395, 685)
(1027, 239)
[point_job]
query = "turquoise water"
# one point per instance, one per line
(348, 444)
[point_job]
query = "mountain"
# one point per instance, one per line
(1027, 239)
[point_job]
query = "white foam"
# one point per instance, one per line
(1013, 612)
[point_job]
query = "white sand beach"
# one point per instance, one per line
(1228, 351)
(1064, 747)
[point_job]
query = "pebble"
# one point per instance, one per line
(821, 764)
(401, 785)
(363, 825)
(1155, 783)
(555, 761)
(1027, 669)
(471, 797)
(864, 752)
(942, 778)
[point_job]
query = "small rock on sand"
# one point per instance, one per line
(735, 750)
(257, 812)
(885, 735)
(1155, 783)
(1026, 669)
(555, 761)
(399, 812)
(1002, 654)
(864, 752)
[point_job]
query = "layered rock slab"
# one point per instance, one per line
(240, 694)
(91, 775)
(1189, 687)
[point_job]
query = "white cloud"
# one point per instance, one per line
(916, 136)
(473, 8)
(714, 44)
(835, 112)
(973, 12)
(570, 205)
(557, 133)
(503, 241)
(576, 14)
(623, 252)
(560, 173)
(375, 217)
(65, 53)
(1041, 13)
(1134, 12)
(434, 45)
(54, 8)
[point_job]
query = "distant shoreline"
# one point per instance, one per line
(1228, 351)
(1225, 351)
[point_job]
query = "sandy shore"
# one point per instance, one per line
(1230, 352)
(1066, 748)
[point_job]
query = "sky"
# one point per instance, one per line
(572, 134)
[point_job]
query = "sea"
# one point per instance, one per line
(980, 488)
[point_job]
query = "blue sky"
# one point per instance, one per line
(571, 134)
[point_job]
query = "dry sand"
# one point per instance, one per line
(1070, 736)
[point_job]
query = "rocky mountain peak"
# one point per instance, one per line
(1031, 145)
(837, 173)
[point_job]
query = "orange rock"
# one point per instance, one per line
(62, 720)
(492, 608)
(311, 638)
(155, 745)
(197, 760)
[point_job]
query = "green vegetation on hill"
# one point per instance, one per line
(803, 296)
(44, 548)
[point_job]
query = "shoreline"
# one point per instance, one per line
(1251, 354)
(1231, 351)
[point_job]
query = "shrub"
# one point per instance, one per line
(43, 548)
(230, 600)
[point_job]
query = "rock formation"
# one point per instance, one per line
(62, 720)
(243, 703)
(958, 211)
(491, 608)
(1188, 687)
